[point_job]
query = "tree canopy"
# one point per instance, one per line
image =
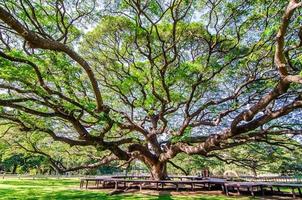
(148, 80)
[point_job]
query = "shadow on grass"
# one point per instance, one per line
(34, 193)
(66, 189)
(164, 195)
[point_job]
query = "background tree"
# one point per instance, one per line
(255, 158)
(259, 157)
(152, 79)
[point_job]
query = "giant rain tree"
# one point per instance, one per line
(148, 80)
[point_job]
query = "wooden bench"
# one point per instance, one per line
(292, 186)
(250, 186)
(142, 182)
(260, 186)
(126, 182)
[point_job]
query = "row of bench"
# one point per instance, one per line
(253, 187)
(289, 179)
(192, 183)
(146, 183)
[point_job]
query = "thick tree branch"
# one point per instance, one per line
(36, 41)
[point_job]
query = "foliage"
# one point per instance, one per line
(148, 80)
(248, 159)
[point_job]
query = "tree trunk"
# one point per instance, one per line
(159, 171)
(14, 169)
(254, 172)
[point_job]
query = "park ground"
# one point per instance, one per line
(69, 189)
(50, 188)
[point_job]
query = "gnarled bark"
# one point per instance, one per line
(159, 171)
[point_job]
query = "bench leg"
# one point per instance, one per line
(226, 190)
(86, 184)
(238, 190)
(300, 193)
(252, 191)
(293, 192)
(222, 188)
(262, 190)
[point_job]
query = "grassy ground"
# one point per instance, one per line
(69, 189)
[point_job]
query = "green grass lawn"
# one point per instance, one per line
(68, 189)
